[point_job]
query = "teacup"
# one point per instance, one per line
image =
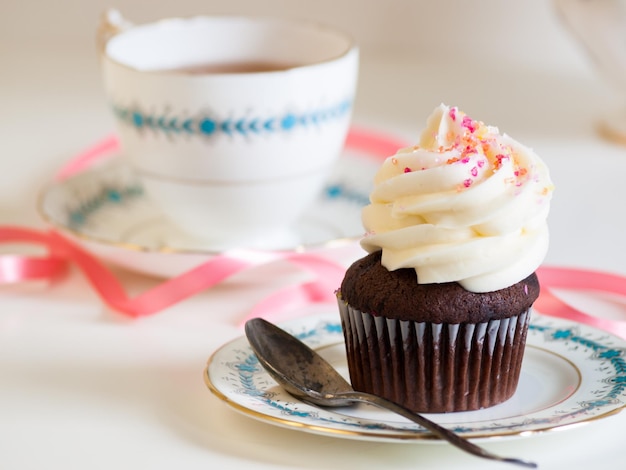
(231, 123)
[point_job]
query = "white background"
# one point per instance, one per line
(82, 388)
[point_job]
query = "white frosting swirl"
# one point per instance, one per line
(466, 204)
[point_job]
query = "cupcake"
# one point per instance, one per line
(435, 315)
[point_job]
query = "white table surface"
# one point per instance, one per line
(82, 387)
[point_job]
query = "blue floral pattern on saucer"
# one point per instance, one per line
(592, 385)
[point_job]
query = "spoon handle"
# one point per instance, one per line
(433, 427)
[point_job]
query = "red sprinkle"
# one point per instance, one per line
(500, 159)
(407, 170)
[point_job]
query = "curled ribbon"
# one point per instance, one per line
(326, 274)
(61, 251)
(14, 268)
(552, 278)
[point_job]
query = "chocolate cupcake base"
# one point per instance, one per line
(434, 367)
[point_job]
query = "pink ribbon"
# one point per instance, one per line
(96, 152)
(326, 274)
(61, 251)
(553, 278)
(14, 268)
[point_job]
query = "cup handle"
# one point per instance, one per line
(111, 23)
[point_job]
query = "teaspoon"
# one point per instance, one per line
(307, 376)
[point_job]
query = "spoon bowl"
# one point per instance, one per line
(307, 376)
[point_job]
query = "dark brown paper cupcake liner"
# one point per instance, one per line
(431, 367)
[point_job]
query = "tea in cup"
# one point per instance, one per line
(232, 124)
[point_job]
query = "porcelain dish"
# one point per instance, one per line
(106, 211)
(572, 374)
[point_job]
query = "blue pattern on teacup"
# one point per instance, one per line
(207, 125)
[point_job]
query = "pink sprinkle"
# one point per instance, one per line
(469, 123)
(467, 183)
(526, 289)
(453, 114)
(465, 160)
(474, 172)
(480, 163)
(407, 170)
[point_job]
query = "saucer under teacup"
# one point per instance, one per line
(106, 211)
